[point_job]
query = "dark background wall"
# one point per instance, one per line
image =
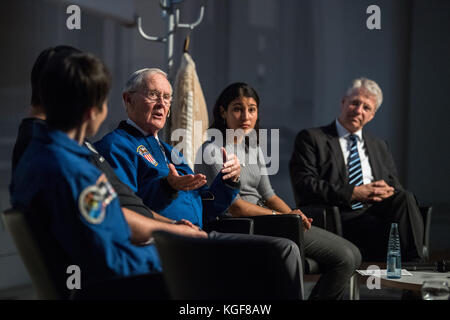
(300, 55)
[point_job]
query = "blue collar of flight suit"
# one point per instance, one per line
(154, 145)
(58, 138)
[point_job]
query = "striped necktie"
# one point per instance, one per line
(355, 176)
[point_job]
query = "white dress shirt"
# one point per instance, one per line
(345, 143)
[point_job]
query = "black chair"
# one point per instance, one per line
(230, 225)
(47, 265)
(287, 226)
(33, 255)
(213, 269)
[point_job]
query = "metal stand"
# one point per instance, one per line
(172, 17)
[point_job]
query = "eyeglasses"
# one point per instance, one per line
(155, 95)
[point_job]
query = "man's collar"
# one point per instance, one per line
(342, 132)
(143, 132)
(133, 124)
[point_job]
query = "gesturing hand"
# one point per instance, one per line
(187, 182)
(231, 166)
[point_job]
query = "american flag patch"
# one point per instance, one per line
(144, 152)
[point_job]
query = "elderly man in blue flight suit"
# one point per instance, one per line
(155, 171)
(158, 173)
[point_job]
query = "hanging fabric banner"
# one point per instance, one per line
(189, 112)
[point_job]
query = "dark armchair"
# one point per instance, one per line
(222, 269)
(230, 225)
(288, 226)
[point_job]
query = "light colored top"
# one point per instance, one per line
(255, 183)
(345, 142)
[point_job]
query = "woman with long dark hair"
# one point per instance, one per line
(236, 123)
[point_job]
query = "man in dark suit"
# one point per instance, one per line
(340, 165)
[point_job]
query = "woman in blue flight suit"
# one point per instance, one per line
(56, 178)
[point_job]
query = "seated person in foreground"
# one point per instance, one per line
(56, 183)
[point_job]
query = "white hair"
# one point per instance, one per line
(136, 79)
(368, 85)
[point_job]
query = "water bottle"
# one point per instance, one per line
(394, 264)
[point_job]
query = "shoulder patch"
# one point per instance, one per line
(142, 150)
(94, 199)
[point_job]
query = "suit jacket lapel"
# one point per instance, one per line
(336, 151)
(374, 164)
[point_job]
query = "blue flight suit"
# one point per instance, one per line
(140, 163)
(57, 183)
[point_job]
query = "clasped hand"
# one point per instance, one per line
(231, 170)
(189, 229)
(373, 192)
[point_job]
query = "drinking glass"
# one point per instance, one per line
(435, 290)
